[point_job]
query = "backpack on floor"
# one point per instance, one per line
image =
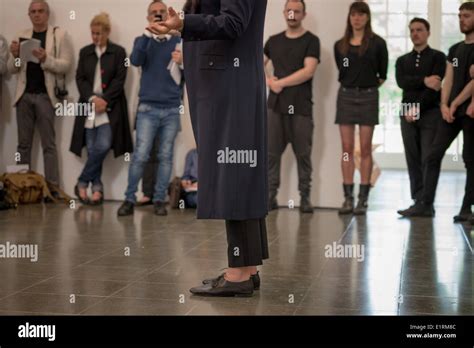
(4, 205)
(28, 187)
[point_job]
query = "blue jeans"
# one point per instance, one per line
(190, 199)
(153, 121)
(98, 142)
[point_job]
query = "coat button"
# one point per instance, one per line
(104, 85)
(102, 71)
(211, 63)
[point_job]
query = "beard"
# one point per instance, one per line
(468, 29)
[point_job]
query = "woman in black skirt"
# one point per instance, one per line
(362, 60)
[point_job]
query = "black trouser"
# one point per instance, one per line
(151, 167)
(297, 130)
(446, 134)
(247, 242)
(417, 139)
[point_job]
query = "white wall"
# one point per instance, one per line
(325, 18)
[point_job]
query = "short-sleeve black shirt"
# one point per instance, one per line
(287, 56)
(461, 56)
(366, 70)
(34, 72)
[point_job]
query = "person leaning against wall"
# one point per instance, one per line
(100, 78)
(36, 92)
(362, 60)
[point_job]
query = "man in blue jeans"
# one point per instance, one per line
(158, 110)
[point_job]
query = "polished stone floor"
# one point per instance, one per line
(90, 262)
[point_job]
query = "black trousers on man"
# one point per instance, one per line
(298, 131)
(418, 137)
(446, 134)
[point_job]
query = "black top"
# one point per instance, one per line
(287, 56)
(411, 70)
(366, 70)
(34, 72)
(461, 56)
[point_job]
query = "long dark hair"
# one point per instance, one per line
(344, 43)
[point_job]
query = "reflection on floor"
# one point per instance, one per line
(145, 264)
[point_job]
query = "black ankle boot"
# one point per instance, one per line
(305, 205)
(348, 205)
(362, 204)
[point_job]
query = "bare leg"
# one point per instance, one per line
(347, 160)
(366, 135)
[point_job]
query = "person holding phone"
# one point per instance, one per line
(158, 115)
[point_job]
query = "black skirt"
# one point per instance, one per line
(358, 106)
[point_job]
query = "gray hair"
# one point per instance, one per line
(41, 2)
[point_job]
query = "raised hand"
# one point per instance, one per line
(173, 22)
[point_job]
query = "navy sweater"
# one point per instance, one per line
(156, 85)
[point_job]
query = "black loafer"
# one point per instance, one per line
(224, 288)
(418, 210)
(255, 278)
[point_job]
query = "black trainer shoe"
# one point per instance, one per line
(126, 209)
(160, 209)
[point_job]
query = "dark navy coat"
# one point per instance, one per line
(223, 67)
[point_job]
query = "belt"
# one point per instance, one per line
(358, 89)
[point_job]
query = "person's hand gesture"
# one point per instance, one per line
(172, 23)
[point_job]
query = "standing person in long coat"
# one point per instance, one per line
(223, 66)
